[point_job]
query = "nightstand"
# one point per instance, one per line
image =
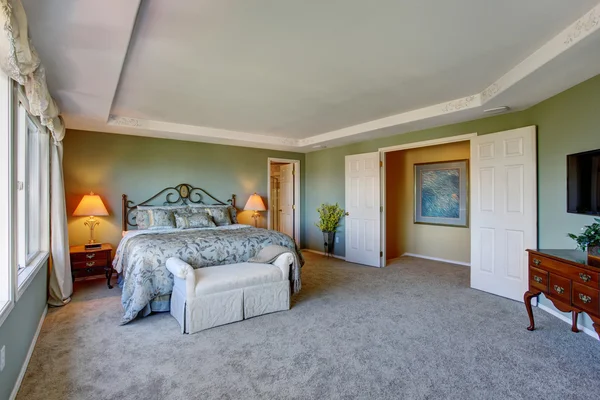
(92, 262)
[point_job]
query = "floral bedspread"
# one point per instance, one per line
(141, 258)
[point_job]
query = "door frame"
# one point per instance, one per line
(297, 194)
(382, 159)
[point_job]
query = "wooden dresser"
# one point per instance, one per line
(568, 278)
(92, 262)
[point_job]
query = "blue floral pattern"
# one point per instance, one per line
(142, 258)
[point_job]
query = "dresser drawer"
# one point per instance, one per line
(584, 277)
(99, 256)
(547, 264)
(560, 288)
(586, 298)
(89, 264)
(538, 279)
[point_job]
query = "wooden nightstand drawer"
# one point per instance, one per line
(560, 288)
(98, 256)
(538, 279)
(586, 298)
(89, 264)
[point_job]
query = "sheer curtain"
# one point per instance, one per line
(20, 61)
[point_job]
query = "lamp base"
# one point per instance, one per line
(91, 246)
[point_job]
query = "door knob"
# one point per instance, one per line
(347, 214)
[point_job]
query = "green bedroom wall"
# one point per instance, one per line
(110, 165)
(18, 330)
(567, 123)
(325, 168)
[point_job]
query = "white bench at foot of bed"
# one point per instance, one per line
(206, 297)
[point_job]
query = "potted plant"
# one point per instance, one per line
(330, 216)
(589, 239)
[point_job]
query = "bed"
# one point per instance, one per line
(172, 223)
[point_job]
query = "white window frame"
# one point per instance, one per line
(7, 272)
(28, 265)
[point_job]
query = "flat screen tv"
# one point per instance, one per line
(583, 183)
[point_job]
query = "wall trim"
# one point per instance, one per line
(323, 254)
(587, 331)
(426, 143)
(17, 386)
(466, 264)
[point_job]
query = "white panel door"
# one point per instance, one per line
(363, 244)
(286, 200)
(503, 210)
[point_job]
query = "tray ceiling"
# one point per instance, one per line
(293, 75)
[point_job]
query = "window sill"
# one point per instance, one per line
(27, 275)
(5, 309)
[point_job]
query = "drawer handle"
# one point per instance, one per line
(559, 290)
(585, 277)
(537, 262)
(91, 255)
(586, 299)
(538, 279)
(90, 264)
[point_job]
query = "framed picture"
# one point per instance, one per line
(441, 195)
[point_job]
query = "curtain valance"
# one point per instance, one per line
(20, 61)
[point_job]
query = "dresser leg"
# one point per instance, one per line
(527, 299)
(574, 315)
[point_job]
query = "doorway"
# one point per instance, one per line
(502, 210)
(283, 195)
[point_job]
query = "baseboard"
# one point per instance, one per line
(13, 395)
(323, 254)
(437, 259)
(562, 317)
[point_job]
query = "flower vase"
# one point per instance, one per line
(594, 255)
(328, 240)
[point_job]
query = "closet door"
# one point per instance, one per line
(503, 210)
(363, 241)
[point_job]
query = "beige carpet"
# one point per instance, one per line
(413, 330)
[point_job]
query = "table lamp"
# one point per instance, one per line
(255, 204)
(91, 205)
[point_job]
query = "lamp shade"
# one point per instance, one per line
(90, 205)
(255, 203)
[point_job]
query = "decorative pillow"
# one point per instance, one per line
(186, 220)
(156, 217)
(207, 208)
(220, 215)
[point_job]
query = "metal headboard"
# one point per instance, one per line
(181, 194)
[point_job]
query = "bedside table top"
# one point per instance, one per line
(82, 249)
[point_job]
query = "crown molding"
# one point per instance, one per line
(563, 42)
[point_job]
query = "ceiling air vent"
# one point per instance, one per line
(497, 110)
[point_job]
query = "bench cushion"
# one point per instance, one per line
(222, 278)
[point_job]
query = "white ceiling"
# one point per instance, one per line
(295, 74)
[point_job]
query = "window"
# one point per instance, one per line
(33, 169)
(6, 272)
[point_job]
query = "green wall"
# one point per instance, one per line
(17, 331)
(567, 123)
(325, 168)
(111, 165)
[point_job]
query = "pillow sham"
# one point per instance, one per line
(187, 220)
(232, 210)
(156, 217)
(221, 216)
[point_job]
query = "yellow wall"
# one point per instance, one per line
(403, 235)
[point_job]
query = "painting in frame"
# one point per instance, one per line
(441, 193)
